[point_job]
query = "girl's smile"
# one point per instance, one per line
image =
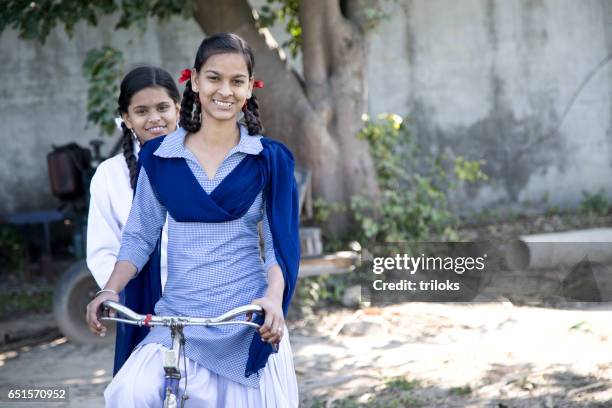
(157, 130)
(223, 104)
(151, 113)
(223, 86)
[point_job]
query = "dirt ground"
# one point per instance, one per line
(453, 355)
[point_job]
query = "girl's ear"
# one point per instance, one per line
(126, 119)
(194, 80)
(251, 82)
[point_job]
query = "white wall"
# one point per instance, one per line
(524, 84)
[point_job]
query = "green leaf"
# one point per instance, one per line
(102, 68)
(413, 204)
(34, 20)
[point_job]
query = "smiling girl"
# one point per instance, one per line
(215, 179)
(149, 106)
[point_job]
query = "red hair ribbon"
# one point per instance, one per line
(258, 84)
(185, 75)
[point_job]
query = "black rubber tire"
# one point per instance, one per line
(74, 290)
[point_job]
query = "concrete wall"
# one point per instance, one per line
(44, 94)
(524, 84)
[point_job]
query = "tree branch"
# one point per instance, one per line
(364, 14)
(338, 30)
(215, 16)
(313, 49)
(317, 54)
(333, 13)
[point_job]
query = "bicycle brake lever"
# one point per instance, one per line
(105, 312)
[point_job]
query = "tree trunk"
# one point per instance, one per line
(319, 117)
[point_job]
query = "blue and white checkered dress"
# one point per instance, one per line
(212, 267)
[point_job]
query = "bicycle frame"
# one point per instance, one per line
(176, 324)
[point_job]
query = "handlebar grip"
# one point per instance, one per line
(124, 310)
(239, 311)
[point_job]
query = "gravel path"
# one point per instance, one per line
(461, 355)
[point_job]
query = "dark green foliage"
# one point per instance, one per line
(316, 293)
(139, 10)
(102, 68)
(286, 11)
(11, 249)
(31, 299)
(35, 19)
(413, 186)
(396, 393)
(464, 391)
(595, 203)
(402, 383)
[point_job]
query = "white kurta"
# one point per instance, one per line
(109, 207)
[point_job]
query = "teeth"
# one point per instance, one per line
(224, 104)
(157, 129)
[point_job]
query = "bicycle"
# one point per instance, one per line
(172, 356)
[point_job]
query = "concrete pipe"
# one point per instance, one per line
(560, 249)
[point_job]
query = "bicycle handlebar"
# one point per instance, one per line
(152, 320)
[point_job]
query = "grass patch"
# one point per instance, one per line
(32, 299)
(397, 392)
(402, 384)
(595, 203)
(461, 391)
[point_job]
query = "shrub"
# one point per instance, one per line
(595, 203)
(414, 205)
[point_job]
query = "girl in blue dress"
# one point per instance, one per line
(215, 179)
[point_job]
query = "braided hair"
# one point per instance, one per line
(251, 116)
(128, 152)
(136, 80)
(191, 109)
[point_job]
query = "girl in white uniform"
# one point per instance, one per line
(149, 106)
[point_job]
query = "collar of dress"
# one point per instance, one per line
(173, 145)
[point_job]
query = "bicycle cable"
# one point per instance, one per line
(184, 397)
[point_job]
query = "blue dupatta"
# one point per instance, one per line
(271, 171)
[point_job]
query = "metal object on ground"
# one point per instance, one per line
(339, 262)
(560, 249)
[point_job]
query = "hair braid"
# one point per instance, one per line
(251, 116)
(191, 110)
(128, 152)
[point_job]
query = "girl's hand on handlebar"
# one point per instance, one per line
(94, 310)
(272, 328)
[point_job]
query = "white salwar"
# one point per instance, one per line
(140, 383)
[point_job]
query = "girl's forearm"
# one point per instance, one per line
(122, 273)
(276, 283)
